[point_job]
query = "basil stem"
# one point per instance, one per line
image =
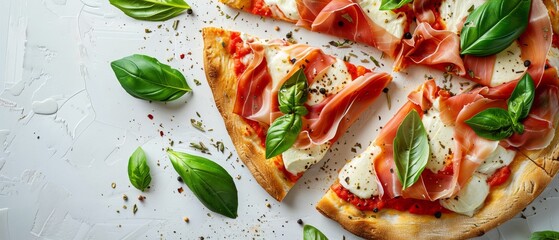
(493, 26)
(293, 92)
(150, 10)
(312, 233)
(138, 170)
(282, 134)
(209, 182)
(411, 149)
(545, 235)
(146, 78)
(492, 123)
(392, 4)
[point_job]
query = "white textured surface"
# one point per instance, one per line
(67, 129)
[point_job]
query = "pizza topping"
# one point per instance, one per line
(454, 12)
(508, 66)
(394, 23)
(329, 83)
(500, 158)
(441, 140)
(470, 198)
(284, 9)
(298, 160)
(358, 176)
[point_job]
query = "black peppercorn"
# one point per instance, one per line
(189, 11)
(407, 35)
(527, 63)
(341, 23)
(438, 214)
(322, 91)
(179, 179)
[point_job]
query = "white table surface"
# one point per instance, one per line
(67, 129)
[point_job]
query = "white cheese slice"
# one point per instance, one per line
(329, 83)
(392, 22)
(298, 160)
(287, 7)
(499, 158)
(508, 65)
(279, 63)
(441, 139)
(358, 175)
(553, 57)
(455, 12)
(470, 198)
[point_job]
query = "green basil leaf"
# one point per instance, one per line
(138, 170)
(492, 123)
(210, 182)
(392, 4)
(312, 233)
(545, 235)
(493, 26)
(146, 78)
(282, 134)
(301, 110)
(521, 99)
(151, 10)
(294, 92)
(411, 149)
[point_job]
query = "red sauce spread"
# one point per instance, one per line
(499, 177)
(259, 8)
(439, 23)
(356, 71)
(376, 204)
(238, 49)
(555, 41)
(259, 129)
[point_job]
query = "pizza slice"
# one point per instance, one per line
(356, 20)
(284, 104)
(468, 185)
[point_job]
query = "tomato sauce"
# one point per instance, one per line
(499, 177)
(356, 71)
(259, 8)
(259, 129)
(238, 49)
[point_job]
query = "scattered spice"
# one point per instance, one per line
(150, 117)
(113, 185)
(176, 24)
(197, 82)
(141, 198)
(197, 124)
(147, 30)
(344, 44)
(124, 197)
(527, 63)
(124, 207)
(407, 35)
(199, 146)
(180, 190)
(289, 35)
(375, 61)
(300, 222)
(179, 178)
(161, 133)
(189, 11)
(268, 205)
(186, 219)
(238, 177)
(182, 56)
(277, 28)
(135, 209)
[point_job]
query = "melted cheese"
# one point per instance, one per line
(358, 176)
(287, 7)
(441, 139)
(455, 12)
(553, 57)
(298, 160)
(470, 198)
(392, 22)
(279, 63)
(509, 65)
(329, 83)
(499, 158)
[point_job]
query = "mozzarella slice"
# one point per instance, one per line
(508, 65)
(499, 158)
(287, 7)
(279, 63)
(441, 139)
(358, 175)
(392, 22)
(470, 198)
(298, 160)
(329, 83)
(455, 12)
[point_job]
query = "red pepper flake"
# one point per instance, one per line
(150, 117)
(141, 198)
(180, 190)
(182, 56)
(161, 133)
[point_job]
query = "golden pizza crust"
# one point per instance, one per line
(219, 67)
(527, 181)
(238, 4)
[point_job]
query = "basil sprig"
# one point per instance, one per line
(138, 170)
(545, 235)
(496, 123)
(146, 78)
(411, 149)
(210, 182)
(392, 4)
(283, 132)
(493, 26)
(312, 233)
(151, 10)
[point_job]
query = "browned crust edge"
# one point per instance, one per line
(219, 65)
(527, 181)
(238, 4)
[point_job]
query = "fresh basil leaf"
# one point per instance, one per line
(293, 92)
(545, 235)
(392, 4)
(210, 182)
(151, 10)
(146, 78)
(492, 123)
(138, 170)
(411, 149)
(521, 99)
(282, 134)
(301, 110)
(312, 233)
(493, 26)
